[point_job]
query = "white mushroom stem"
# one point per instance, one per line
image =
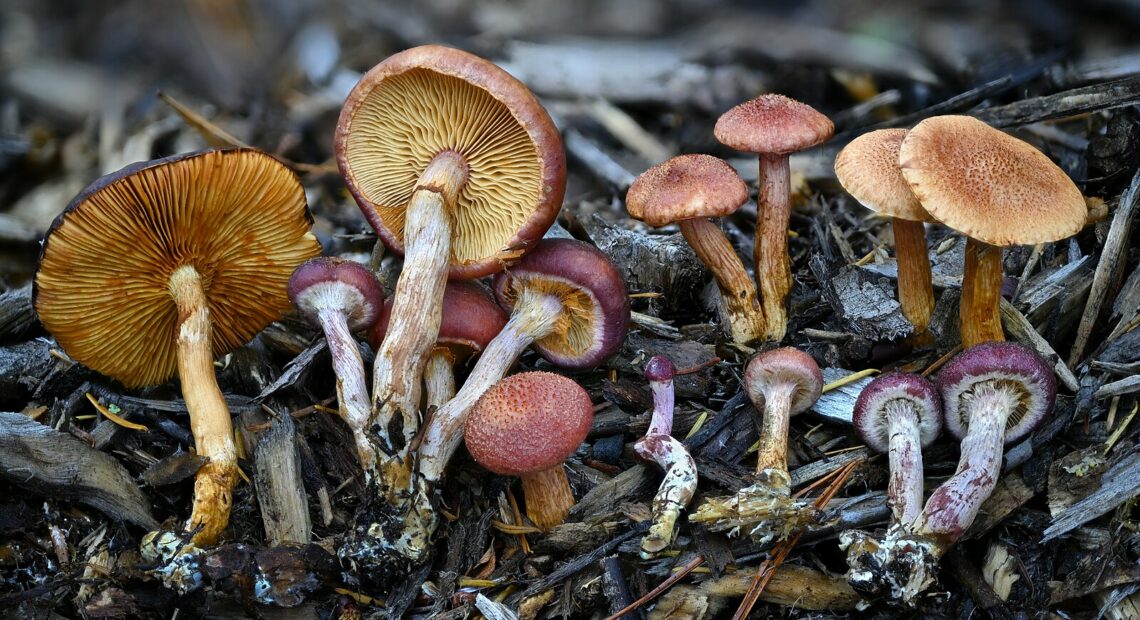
(351, 385)
(439, 379)
(209, 416)
(770, 253)
(772, 459)
(664, 401)
(535, 315)
(737, 290)
(680, 482)
(954, 505)
(904, 453)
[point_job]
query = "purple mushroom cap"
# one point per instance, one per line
(659, 368)
(783, 365)
(325, 282)
(870, 419)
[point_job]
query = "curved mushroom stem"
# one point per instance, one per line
(439, 379)
(351, 387)
(548, 496)
(772, 458)
(745, 317)
(209, 416)
(916, 292)
(979, 310)
(770, 253)
(904, 491)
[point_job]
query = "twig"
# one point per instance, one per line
(661, 588)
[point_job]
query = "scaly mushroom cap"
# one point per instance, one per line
(102, 289)
(592, 292)
(870, 415)
(528, 423)
(868, 168)
(330, 282)
(430, 99)
(470, 318)
(1006, 364)
(683, 188)
(773, 124)
(784, 365)
(989, 185)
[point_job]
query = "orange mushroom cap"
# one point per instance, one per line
(683, 188)
(868, 168)
(773, 124)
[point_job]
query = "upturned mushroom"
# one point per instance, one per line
(160, 267)
(996, 190)
(773, 126)
(342, 297)
(868, 168)
(781, 383)
(458, 167)
(527, 425)
(687, 190)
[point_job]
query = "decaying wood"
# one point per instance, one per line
(280, 488)
(1105, 96)
(16, 315)
(866, 308)
(791, 585)
(1020, 329)
(1120, 484)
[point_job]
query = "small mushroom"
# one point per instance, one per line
(160, 267)
(687, 190)
(659, 446)
(996, 190)
(342, 297)
(526, 425)
(868, 168)
(773, 126)
(781, 383)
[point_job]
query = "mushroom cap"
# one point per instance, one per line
(470, 318)
(430, 99)
(683, 188)
(330, 282)
(868, 168)
(782, 366)
(528, 423)
(870, 415)
(1010, 364)
(773, 124)
(660, 368)
(237, 216)
(989, 185)
(591, 287)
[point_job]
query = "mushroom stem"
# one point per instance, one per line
(351, 386)
(209, 416)
(979, 313)
(904, 490)
(745, 317)
(955, 503)
(772, 457)
(535, 315)
(439, 379)
(548, 496)
(770, 253)
(664, 401)
(916, 292)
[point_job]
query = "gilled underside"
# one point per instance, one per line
(576, 333)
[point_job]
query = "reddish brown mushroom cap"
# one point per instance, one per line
(329, 282)
(528, 423)
(868, 168)
(785, 365)
(591, 289)
(870, 419)
(685, 187)
(470, 318)
(773, 124)
(431, 99)
(1009, 365)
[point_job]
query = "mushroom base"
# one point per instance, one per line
(765, 511)
(388, 539)
(548, 497)
(675, 492)
(743, 314)
(899, 567)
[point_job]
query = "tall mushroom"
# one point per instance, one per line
(773, 126)
(160, 267)
(868, 168)
(688, 190)
(458, 167)
(996, 190)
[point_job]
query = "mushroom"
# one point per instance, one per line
(773, 126)
(162, 266)
(342, 297)
(996, 190)
(688, 190)
(526, 425)
(659, 446)
(868, 168)
(781, 383)
(458, 167)
(469, 321)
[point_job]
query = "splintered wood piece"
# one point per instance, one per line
(1022, 330)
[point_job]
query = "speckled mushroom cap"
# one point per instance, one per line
(783, 365)
(237, 216)
(470, 318)
(430, 99)
(868, 168)
(683, 188)
(1006, 363)
(989, 185)
(527, 423)
(773, 124)
(891, 390)
(594, 291)
(330, 282)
